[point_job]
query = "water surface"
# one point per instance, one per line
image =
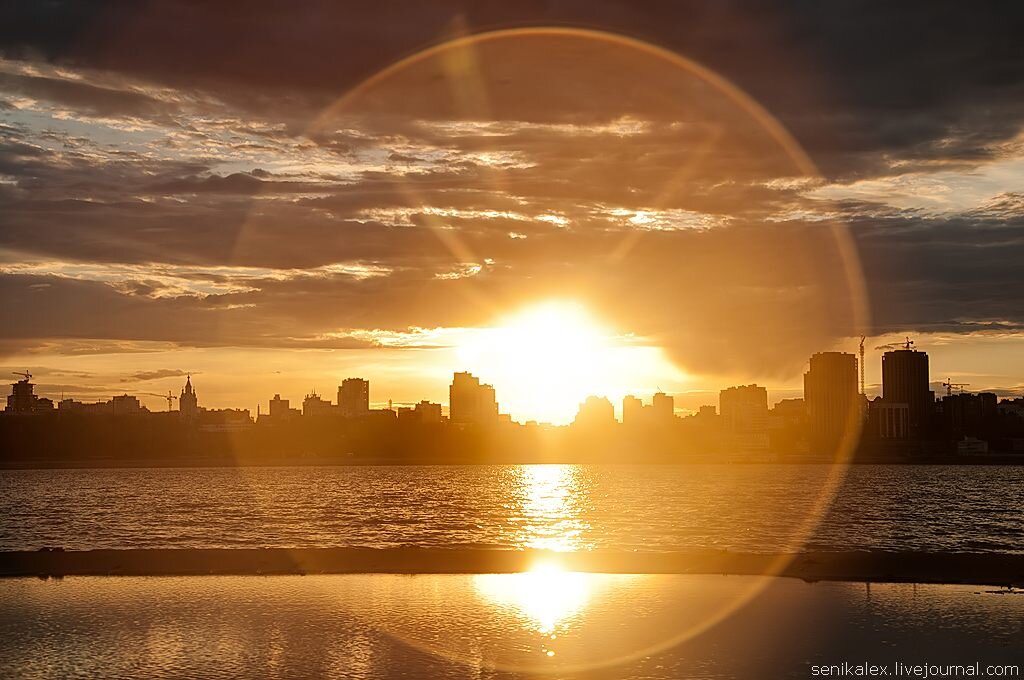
(759, 508)
(545, 624)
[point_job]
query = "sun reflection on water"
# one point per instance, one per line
(551, 496)
(546, 599)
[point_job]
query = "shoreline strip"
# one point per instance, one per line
(994, 569)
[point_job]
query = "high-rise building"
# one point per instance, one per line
(354, 397)
(663, 407)
(595, 412)
(832, 400)
(188, 401)
(905, 381)
(744, 408)
(967, 413)
(23, 399)
(471, 402)
(744, 414)
(632, 410)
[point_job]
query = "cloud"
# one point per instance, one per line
(143, 376)
(152, 194)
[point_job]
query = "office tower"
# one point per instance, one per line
(744, 412)
(663, 407)
(744, 408)
(354, 397)
(905, 381)
(595, 412)
(831, 398)
(471, 402)
(23, 399)
(632, 410)
(188, 401)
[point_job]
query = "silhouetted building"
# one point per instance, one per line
(744, 412)
(96, 408)
(663, 407)
(888, 421)
(471, 402)
(832, 399)
(787, 413)
(905, 381)
(126, 405)
(660, 411)
(1012, 407)
(314, 406)
(428, 412)
(224, 420)
(744, 408)
(595, 412)
(354, 397)
(632, 410)
(280, 409)
(968, 413)
(24, 401)
(707, 411)
(188, 401)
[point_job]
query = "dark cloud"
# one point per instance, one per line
(583, 151)
(914, 79)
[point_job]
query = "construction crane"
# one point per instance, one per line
(26, 375)
(862, 339)
(950, 386)
(907, 344)
(169, 397)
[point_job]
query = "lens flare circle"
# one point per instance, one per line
(452, 89)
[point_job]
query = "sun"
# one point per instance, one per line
(545, 359)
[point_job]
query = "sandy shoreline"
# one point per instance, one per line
(966, 568)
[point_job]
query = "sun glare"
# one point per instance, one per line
(545, 359)
(545, 598)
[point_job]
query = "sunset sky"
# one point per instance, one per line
(259, 200)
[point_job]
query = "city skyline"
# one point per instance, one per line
(389, 385)
(833, 420)
(830, 376)
(239, 224)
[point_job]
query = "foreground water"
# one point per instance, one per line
(562, 507)
(554, 624)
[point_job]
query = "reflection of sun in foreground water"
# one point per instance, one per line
(549, 495)
(545, 599)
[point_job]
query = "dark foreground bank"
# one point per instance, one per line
(883, 567)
